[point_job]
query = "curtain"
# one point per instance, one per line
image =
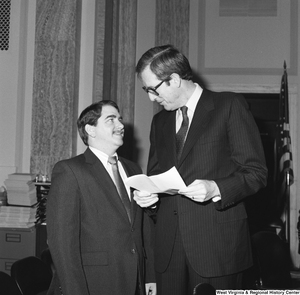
(115, 61)
(172, 27)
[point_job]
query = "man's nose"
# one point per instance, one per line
(152, 96)
(120, 125)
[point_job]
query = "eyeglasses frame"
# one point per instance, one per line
(152, 90)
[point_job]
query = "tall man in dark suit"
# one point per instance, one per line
(201, 234)
(98, 246)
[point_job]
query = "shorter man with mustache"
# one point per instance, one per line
(99, 245)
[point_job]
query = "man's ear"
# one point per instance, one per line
(90, 129)
(176, 80)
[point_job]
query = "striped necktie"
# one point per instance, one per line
(181, 134)
(120, 185)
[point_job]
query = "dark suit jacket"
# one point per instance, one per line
(224, 145)
(94, 247)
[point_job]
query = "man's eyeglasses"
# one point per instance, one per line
(152, 90)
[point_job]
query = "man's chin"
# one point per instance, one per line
(167, 108)
(120, 142)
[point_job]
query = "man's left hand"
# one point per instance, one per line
(201, 190)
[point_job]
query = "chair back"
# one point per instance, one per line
(8, 285)
(32, 275)
(47, 258)
(272, 259)
(204, 289)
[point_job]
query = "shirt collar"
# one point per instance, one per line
(193, 100)
(101, 155)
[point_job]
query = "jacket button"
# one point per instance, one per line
(133, 251)
(175, 212)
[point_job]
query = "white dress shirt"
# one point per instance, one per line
(104, 160)
(191, 105)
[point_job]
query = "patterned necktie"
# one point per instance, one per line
(181, 134)
(120, 185)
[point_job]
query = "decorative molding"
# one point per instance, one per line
(248, 8)
(207, 43)
(252, 88)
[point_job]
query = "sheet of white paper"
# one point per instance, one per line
(168, 182)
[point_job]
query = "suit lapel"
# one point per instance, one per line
(200, 121)
(168, 141)
(130, 172)
(104, 181)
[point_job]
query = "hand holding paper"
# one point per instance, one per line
(168, 182)
(145, 199)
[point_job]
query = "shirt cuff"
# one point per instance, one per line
(216, 193)
(216, 199)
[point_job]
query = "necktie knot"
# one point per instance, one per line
(184, 110)
(112, 160)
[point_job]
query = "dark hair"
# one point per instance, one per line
(164, 61)
(90, 115)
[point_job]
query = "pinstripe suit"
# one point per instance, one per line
(224, 145)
